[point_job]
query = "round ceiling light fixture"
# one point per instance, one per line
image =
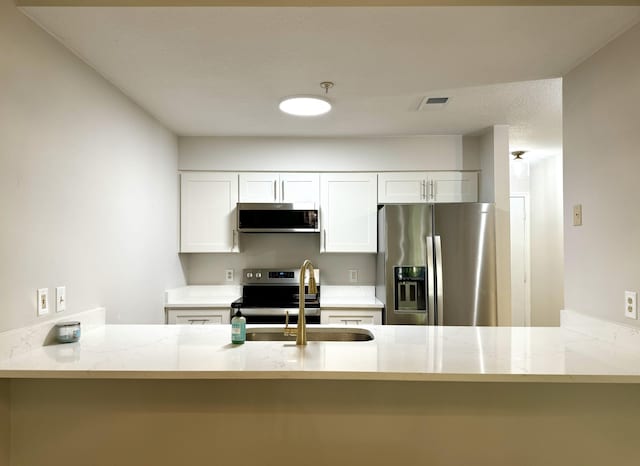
(307, 105)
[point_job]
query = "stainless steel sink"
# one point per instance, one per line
(313, 334)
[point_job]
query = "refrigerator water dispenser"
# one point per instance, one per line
(410, 289)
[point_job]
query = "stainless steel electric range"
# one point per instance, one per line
(267, 294)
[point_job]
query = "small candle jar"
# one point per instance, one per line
(67, 332)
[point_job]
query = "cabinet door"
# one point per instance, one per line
(259, 187)
(348, 212)
(452, 187)
(352, 317)
(402, 188)
(208, 212)
(300, 187)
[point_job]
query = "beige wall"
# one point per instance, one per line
(278, 250)
(493, 186)
(288, 422)
(486, 192)
(88, 186)
(601, 166)
(547, 249)
(323, 154)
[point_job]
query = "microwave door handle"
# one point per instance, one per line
(430, 283)
(439, 280)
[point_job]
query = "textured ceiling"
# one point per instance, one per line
(222, 71)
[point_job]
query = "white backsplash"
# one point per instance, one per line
(22, 340)
(283, 250)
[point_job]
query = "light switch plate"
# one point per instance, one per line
(577, 215)
(353, 276)
(61, 298)
(630, 304)
(42, 304)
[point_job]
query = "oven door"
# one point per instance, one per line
(277, 315)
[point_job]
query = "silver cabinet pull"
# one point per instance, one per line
(199, 321)
(432, 194)
(347, 321)
(275, 190)
(324, 238)
(423, 190)
(233, 239)
(282, 192)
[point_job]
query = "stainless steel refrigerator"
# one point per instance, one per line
(436, 264)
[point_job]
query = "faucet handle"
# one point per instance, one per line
(288, 331)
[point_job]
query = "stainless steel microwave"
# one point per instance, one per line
(277, 218)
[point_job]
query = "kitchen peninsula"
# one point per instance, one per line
(166, 395)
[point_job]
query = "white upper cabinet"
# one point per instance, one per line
(417, 187)
(279, 187)
(208, 212)
(402, 187)
(453, 187)
(300, 187)
(259, 187)
(348, 212)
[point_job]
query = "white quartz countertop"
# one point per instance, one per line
(474, 354)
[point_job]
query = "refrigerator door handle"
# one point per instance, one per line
(439, 293)
(430, 283)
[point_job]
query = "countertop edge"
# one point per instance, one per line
(317, 375)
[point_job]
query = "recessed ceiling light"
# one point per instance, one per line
(305, 105)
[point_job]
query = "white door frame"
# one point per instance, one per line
(527, 254)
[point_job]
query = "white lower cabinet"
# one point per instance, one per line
(371, 316)
(349, 212)
(213, 316)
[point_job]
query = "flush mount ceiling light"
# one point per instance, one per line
(307, 105)
(519, 166)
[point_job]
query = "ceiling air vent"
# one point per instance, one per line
(432, 103)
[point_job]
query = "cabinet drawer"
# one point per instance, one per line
(197, 316)
(198, 320)
(352, 317)
(350, 320)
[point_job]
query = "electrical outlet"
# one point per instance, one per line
(43, 301)
(61, 298)
(228, 274)
(630, 304)
(577, 215)
(353, 276)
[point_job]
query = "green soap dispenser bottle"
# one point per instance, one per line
(238, 328)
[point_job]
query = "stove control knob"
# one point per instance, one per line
(258, 275)
(249, 274)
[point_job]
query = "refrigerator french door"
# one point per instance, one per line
(436, 264)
